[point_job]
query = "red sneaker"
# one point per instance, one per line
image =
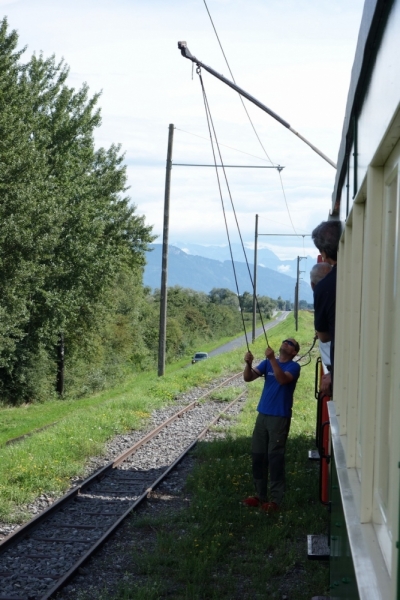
(252, 501)
(270, 507)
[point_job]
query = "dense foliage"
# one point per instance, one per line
(194, 317)
(68, 233)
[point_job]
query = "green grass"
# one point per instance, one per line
(226, 394)
(219, 549)
(21, 420)
(46, 461)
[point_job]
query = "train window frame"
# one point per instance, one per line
(386, 367)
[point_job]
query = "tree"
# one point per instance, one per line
(281, 304)
(266, 305)
(304, 305)
(288, 305)
(246, 302)
(68, 230)
(224, 296)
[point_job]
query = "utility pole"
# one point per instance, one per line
(296, 289)
(296, 295)
(255, 281)
(296, 292)
(164, 271)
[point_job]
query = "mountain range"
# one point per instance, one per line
(202, 273)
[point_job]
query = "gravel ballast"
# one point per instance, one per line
(32, 577)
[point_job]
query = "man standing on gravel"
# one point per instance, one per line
(273, 422)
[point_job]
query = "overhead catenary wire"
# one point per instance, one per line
(286, 202)
(248, 115)
(265, 152)
(213, 136)
(230, 71)
(253, 156)
(212, 133)
(224, 145)
(209, 121)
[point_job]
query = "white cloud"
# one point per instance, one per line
(294, 56)
(284, 268)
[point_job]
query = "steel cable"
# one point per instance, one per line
(248, 115)
(212, 133)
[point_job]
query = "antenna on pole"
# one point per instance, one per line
(187, 54)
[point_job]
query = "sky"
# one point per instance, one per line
(295, 56)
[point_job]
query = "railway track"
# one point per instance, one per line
(38, 559)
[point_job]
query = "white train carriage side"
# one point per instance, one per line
(365, 408)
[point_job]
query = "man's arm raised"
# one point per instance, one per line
(250, 373)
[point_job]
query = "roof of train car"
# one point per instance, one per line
(374, 18)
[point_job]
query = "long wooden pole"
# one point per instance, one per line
(296, 298)
(255, 281)
(164, 269)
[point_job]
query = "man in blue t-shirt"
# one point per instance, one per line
(273, 421)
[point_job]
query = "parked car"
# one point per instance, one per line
(199, 356)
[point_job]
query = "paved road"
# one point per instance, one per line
(241, 341)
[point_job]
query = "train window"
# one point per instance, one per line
(388, 317)
(387, 366)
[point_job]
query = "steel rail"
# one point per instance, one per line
(65, 578)
(13, 538)
(99, 473)
(19, 438)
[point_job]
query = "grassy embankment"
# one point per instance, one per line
(216, 548)
(219, 549)
(23, 419)
(45, 462)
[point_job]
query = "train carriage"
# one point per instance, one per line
(365, 409)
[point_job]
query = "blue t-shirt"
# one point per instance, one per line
(277, 399)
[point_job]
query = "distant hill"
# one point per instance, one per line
(265, 258)
(203, 274)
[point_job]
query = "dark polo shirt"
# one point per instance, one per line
(325, 306)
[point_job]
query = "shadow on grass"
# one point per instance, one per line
(218, 548)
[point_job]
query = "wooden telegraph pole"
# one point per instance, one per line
(164, 271)
(296, 295)
(255, 282)
(297, 292)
